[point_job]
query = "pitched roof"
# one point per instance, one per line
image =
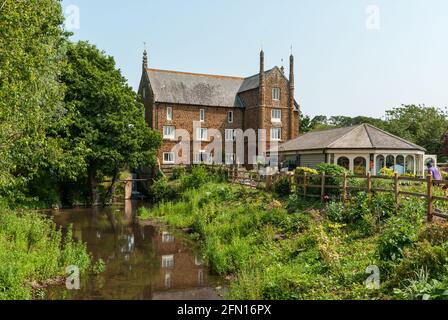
(201, 89)
(194, 88)
(363, 136)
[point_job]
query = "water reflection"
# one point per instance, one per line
(141, 262)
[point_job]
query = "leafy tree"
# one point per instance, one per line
(31, 57)
(105, 117)
(425, 126)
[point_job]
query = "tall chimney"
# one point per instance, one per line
(292, 125)
(262, 95)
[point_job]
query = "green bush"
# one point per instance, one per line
(282, 186)
(436, 233)
(178, 173)
(162, 190)
(398, 234)
(198, 177)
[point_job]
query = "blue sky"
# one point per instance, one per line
(343, 67)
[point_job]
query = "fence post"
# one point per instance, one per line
(269, 182)
(322, 186)
(305, 186)
(397, 190)
(430, 198)
(344, 187)
(369, 184)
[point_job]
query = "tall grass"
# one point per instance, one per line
(32, 249)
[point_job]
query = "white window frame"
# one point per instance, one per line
(168, 262)
(276, 94)
(202, 115)
(229, 135)
(169, 113)
(172, 156)
(275, 137)
(167, 237)
(202, 134)
(276, 119)
(230, 117)
(167, 136)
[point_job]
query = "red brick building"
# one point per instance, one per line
(176, 100)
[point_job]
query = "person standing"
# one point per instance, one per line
(434, 172)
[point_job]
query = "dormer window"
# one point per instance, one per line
(144, 93)
(276, 94)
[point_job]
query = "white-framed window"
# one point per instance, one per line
(202, 134)
(168, 261)
(230, 135)
(169, 113)
(276, 134)
(169, 132)
(230, 116)
(276, 115)
(202, 157)
(275, 93)
(144, 93)
(168, 280)
(202, 115)
(168, 157)
(230, 158)
(167, 237)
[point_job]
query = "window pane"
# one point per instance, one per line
(410, 166)
(169, 113)
(230, 117)
(202, 115)
(359, 166)
(344, 162)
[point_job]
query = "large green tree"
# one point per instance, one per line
(425, 126)
(105, 116)
(31, 57)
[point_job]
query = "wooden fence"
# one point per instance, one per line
(316, 186)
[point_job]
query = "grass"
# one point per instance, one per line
(32, 249)
(289, 249)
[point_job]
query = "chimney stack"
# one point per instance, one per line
(262, 89)
(292, 125)
(145, 60)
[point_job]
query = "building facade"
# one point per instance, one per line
(360, 149)
(176, 103)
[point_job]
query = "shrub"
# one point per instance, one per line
(398, 234)
(302, 170)
(282, 186)
(436, 233)
(423, 288)
(162, 190)
(386, 172)
(178, 173)
(198, 177)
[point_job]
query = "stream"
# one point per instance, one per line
(141, 262)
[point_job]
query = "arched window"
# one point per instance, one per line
(399, 167)
(359, 166)
(410, 165)
(390, 161)
(380, 163)
(344, 162)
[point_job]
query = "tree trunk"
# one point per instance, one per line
(111, 190)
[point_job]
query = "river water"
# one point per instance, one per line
(141, 262)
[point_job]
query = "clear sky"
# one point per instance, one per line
(353, 57)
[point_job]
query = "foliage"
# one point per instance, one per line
(387, 172)
(32, 249)
(178, 173)
(421, 287)
(436, 233)
(302, 170)
(282, 186)
(198, 177)
(162, 190)
(104, 115)
(398, 234)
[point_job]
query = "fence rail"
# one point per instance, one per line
(308, 185)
